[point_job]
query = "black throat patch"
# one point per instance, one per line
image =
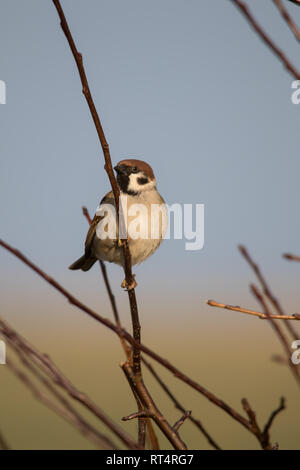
(123, 182)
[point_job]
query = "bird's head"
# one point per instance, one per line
(134, 176)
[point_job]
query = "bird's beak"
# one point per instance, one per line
(121, 169)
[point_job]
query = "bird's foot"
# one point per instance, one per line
(131, 285)
(121, 241)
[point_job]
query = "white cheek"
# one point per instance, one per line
(136, 187)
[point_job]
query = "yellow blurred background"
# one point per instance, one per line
(227, 352)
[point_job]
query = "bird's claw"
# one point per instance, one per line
(132, 284)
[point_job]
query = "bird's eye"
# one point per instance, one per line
(134, 169)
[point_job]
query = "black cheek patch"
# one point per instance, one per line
(123, 182)
(142, 180)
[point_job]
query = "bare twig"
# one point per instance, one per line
(137, 414)
(267, 291)
(235, 308)
(252, 418)
(291, 257)
(288, 19)
(266, 431)
(108, 167)
(263, 35)
(180, 422)
(277, 329)
(262, 436)
(179, 406)
(141, 413)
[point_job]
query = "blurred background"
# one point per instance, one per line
(191, 89)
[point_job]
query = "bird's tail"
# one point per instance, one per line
(83, 263)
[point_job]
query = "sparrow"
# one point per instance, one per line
(137, 185)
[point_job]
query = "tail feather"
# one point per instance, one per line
(83, 263)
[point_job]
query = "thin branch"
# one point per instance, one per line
(291, 257)
(180, 422)
(141, 413)
(179, 406)
(266, 431)
(288, 19)
(263, 35)
(137, 414)
(277, 329)
(121, 332)
(235, 308)
(266, 289)
(252, 418)
(151, 409)
(108, 167)
(262, 436)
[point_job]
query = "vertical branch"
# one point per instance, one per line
(108, 167)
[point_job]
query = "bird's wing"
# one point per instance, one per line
(108, 199)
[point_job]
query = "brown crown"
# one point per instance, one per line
(141, 165)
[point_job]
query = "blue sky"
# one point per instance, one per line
(186, 86)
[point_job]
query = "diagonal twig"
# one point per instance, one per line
(181, 420)
(266, 431)
(288, 19)
(291, 257)
(266, 289)
(277, 329)
(263, 316)
(151, 409)
(262, 436)
(243, 7)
